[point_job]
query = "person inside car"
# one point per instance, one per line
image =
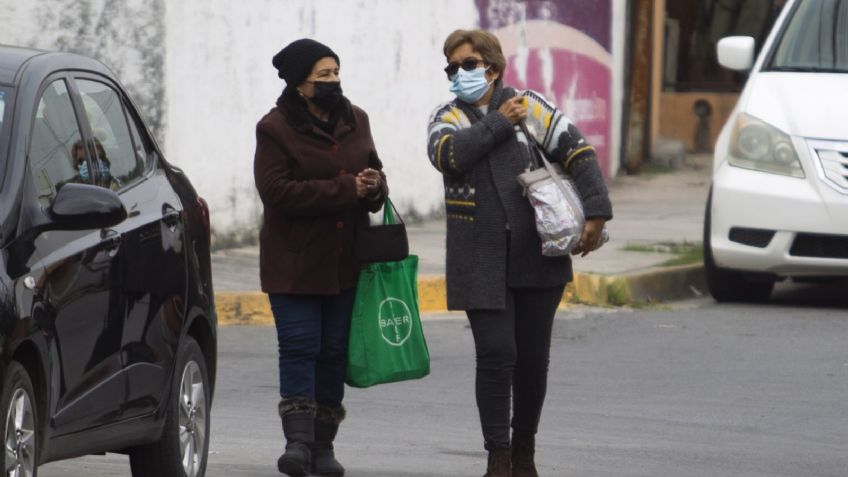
(102, 175)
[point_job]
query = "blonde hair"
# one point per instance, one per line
(482, 42)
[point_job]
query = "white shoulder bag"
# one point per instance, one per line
(556, 204)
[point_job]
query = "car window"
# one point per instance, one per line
(56, 152)
(143, 149)
(5, 96)
(118, 159)
(2, 118)
(2, 108)
(815, 39)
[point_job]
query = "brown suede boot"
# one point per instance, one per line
(523, 451)
(500, 463)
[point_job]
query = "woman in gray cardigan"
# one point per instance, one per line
(495, 268)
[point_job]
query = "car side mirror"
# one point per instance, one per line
(86, 206)
(76, 207)
(736, 52)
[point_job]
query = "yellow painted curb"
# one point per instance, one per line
(252, 308)
(660, 284)
(243, 308)
(432, 294)
(598, 290)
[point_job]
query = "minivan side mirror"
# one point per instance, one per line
(736, 52)
(86, 206)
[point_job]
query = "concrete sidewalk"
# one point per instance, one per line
(653, 212)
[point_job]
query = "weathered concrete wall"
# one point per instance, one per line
(201, 72)
(126, 35)
(220, 82)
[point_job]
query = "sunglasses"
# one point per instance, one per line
(468, 64)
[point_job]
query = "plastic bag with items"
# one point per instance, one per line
(557, 207)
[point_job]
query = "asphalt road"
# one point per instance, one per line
(695, 389)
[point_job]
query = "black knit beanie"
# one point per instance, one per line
(295, 61)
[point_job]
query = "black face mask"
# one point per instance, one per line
(327, 94)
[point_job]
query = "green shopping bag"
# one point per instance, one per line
(386, 340)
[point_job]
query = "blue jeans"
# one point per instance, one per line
(312, 334)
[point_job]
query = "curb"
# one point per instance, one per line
(243, 308)
(656, 285)
(652, 286)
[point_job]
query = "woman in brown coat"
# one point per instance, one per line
(318, 174)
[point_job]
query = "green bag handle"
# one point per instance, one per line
(390, 214)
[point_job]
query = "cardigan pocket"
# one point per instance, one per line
(457, 259)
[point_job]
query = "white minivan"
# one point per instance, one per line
(778, 206)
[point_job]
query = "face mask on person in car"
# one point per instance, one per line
(104, 173)
(83, 171)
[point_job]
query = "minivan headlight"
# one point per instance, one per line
(760, 146)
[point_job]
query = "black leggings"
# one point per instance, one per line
(513, 351)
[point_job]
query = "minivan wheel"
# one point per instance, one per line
(727, 285)
(21, 436)
(183, 448)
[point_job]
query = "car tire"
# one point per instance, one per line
(186, 423)
(20, 423)
(728, 285)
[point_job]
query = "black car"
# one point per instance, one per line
(107, 317)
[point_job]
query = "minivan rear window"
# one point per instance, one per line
(815, 38)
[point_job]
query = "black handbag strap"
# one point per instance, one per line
(395, 213)
(365, 221)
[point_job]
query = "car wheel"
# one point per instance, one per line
(728, 285)
(18, 405)
(183, 448)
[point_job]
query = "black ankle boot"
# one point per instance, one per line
(500, 463)
(327, 420)
(298, 417)
(523, 457)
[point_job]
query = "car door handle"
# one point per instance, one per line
(110, 241)
(171, 217)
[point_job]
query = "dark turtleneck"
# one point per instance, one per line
(329, 125)
(299, 113)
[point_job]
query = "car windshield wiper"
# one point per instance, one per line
(806, 69)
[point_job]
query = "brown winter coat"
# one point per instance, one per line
(306, 180)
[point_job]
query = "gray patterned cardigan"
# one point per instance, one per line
(492, 242)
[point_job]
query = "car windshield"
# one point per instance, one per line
(815, 39)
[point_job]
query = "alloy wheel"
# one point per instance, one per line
(20, 436)
(192, 420)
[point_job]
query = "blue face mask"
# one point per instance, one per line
(104, 171)
(470, 86)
